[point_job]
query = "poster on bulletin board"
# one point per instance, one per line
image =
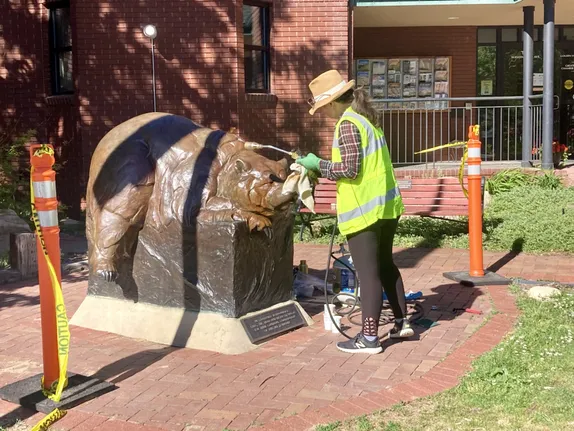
(406, 78)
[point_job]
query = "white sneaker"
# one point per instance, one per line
(401, 330)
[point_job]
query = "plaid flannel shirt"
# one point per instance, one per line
(350, 147)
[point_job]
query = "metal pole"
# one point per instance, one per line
(548, 104)
(153, 73)
(527, 70)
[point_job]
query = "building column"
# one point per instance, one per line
(527, 70)
(548, 101)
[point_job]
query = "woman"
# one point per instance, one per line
(369, 202)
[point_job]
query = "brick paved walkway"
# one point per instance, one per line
(292, 382)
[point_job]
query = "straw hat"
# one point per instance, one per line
(327, 87)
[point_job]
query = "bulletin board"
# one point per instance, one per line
(404, 78)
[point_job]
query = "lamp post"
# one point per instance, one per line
(150, 31)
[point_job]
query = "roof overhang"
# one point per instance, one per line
(444, 13)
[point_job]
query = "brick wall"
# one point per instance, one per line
(457, 42)
(196, 63)
(199, 72)
(25, 92)
(409, 133)
(199, 67)
(308, 37)
(21, 73)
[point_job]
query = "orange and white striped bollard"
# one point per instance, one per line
(475, 203)
(45, 203)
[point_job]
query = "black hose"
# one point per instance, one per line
(330, 255)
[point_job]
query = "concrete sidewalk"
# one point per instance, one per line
(291, 382)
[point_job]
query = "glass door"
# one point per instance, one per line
(512, 80)
(566, 96)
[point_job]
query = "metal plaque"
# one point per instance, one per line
(273, 322)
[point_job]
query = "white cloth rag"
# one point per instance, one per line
(298, 181)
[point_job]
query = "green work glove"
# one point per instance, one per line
(309, 162)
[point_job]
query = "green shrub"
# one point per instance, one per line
(542, 220)
(509, 179)
(530, 218)
(15, 176)
(549, 181)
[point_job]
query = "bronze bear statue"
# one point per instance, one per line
(157, 168)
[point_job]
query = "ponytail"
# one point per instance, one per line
(361, 104)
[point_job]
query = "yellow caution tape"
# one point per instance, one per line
(462, 161)
(48, 420)
(476, 130)
(440, 147)
(55, 391)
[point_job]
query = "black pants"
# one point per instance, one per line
(372, 252)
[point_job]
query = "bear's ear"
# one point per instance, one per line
(242, 166)
(284, 163)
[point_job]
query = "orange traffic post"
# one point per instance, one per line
(46, 205)
(55, 328)
(476, 275)
(475, 203)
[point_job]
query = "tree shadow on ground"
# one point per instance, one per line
(12, 418)
(433, 308)
(208, 95)
(131, 365)
(10, 297)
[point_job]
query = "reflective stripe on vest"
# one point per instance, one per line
(374, 193)
(369, 206)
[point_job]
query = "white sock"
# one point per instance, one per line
(370, 337)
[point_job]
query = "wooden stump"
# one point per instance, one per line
(23, 254)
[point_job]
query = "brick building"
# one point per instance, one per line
(74, 69)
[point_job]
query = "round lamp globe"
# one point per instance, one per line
(150, 31)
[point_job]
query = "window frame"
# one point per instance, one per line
(500, 44)
(55, 51)
(265, 48)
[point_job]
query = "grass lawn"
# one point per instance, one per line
(526, 383)
(527, 218)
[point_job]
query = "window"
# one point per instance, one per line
(568, 33)
(486, 35)
(61, 48)
(509, 35)
(256, 45)
(486, 70)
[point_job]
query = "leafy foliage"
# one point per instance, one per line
(542, 218)
(509, 179)
(15, 175)
(528, 213)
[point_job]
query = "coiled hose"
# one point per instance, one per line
(414, 309)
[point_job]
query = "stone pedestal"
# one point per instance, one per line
(193, 284)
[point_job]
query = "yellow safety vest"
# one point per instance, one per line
(374, 194)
